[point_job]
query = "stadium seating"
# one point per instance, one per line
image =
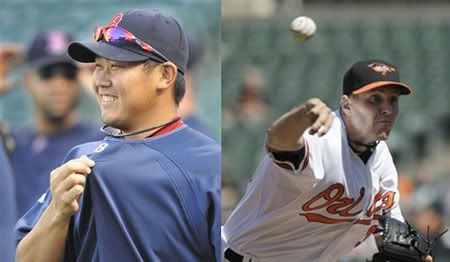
(295, 72)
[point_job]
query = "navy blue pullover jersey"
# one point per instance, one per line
(7, 208)
(36, 156)
(153, 199)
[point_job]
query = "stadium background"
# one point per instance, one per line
(20, 20)
(265, 73)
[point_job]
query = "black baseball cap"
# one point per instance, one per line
(49, 47)
(161, 31)
(370, 74)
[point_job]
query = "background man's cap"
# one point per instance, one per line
(370, 74)
(48, 48)
(161, 31)
(195, 52)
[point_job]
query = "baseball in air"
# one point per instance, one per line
(303, 28)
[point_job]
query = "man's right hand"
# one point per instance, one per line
(319, 115)
(286, 133)
(67, 183)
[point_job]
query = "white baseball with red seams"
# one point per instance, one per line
(320, 211)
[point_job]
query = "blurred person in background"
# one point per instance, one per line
(188, 106)
(431, 220)
(252, 107)
(248, 114)
(7, 206)
(50, 79)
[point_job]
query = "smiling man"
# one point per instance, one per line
(327, 176)
(150, 191)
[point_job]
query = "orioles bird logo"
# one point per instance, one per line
(382, 68)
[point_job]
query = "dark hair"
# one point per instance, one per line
(180, 87)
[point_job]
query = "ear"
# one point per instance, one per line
(346, 104)
(168, 75)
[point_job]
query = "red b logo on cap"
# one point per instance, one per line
(116, 19)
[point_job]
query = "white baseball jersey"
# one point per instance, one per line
(318, 212)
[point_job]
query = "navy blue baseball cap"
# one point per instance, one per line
(162, 32)
(195, 51)
(49, 47)
(370, 74)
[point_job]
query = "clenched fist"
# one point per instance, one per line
(319, 115)
(286, 133)
(66, 184)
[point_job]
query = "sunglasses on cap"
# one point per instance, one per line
(67, 71)
(115, 34)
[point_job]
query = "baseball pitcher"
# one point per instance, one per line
(327, 177)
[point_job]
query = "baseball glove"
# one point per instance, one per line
(401, 243)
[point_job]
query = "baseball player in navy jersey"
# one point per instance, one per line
(326, 178)
(7, 206)
(150, 190)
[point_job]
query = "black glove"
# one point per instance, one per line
(401, 243)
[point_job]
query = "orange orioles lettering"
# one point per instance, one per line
(343, 209)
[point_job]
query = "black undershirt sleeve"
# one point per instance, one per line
(294, 157)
